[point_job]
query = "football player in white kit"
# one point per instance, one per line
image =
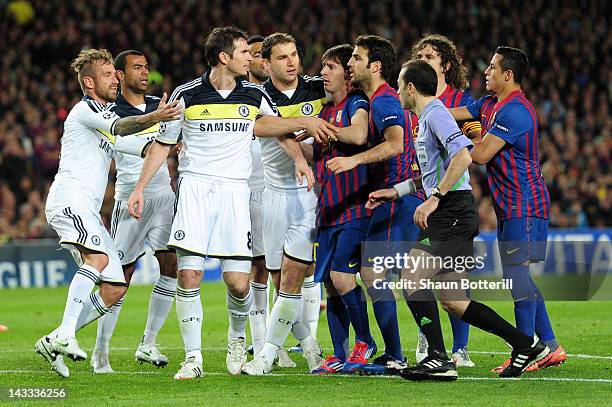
(260, 309)
(259, 273)
(212, 217)
(153, 230)
(289, 238)
(92, 134)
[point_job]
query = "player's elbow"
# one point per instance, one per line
(478, 158)
(362, 139)
(464, 158)
(398, 148)
(263, 127)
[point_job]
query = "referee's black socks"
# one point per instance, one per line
(483, 317)
(424, 308)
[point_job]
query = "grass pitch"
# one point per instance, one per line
(583, 328)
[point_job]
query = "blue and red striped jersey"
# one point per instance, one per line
(452, 97)
(513, 174)
(386, 111)
(342, 196)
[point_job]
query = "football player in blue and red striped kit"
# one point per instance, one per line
(441, 54)
(342, 219)
(509, 149)
(391, 158)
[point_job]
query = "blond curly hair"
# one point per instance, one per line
(85, 63)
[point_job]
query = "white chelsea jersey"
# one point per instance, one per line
(217, 131)
(88, 146)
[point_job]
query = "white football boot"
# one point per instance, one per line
(236, 355)
(43, 348)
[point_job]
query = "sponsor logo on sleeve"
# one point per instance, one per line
(502, 128)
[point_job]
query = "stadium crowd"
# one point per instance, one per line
(568, 43)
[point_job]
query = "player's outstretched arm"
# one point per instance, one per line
(357, 132)
(271, 126)
(461, 113)
(134, 124)
(379, 197)
(393, 145)
(484, 151)
(156, 156)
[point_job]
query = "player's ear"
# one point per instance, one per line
(265, 65)
(120, 74)
(89, 82)
(376, 66)
(224, 58)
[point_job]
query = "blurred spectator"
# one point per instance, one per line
(569, 45)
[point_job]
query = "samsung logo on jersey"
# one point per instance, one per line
(107, 148)
(224, 126)
(502, 127)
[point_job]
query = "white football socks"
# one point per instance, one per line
(106, 326)
(190, 315)
(80, 287)
(160, 305)
(257, 315)
(238, 310)
(283, 316)
(311, 304)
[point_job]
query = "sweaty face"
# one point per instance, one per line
(256, 68)
(334, 76)
(105, 81)
(358, 66)
(431, 56)
(240, 58)
(284, 62)
(494, 74)
(136, 74)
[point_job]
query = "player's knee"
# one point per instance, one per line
(189, 278)
(293, 271)
(112, 293)
(99, 261)
(238, 290)
(456, 308)
(291, 282)
(447, 306)
(343, 283)
(330, 290)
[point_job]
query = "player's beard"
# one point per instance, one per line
(108, 94)
(357, 83)
(259, 75)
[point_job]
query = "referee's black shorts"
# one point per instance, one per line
(452, 227)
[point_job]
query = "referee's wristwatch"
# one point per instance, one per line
(436, 192)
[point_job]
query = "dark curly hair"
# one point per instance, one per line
(456, 74)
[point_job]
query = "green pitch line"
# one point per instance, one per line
(583, 328)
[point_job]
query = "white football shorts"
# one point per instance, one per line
(289, 229)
